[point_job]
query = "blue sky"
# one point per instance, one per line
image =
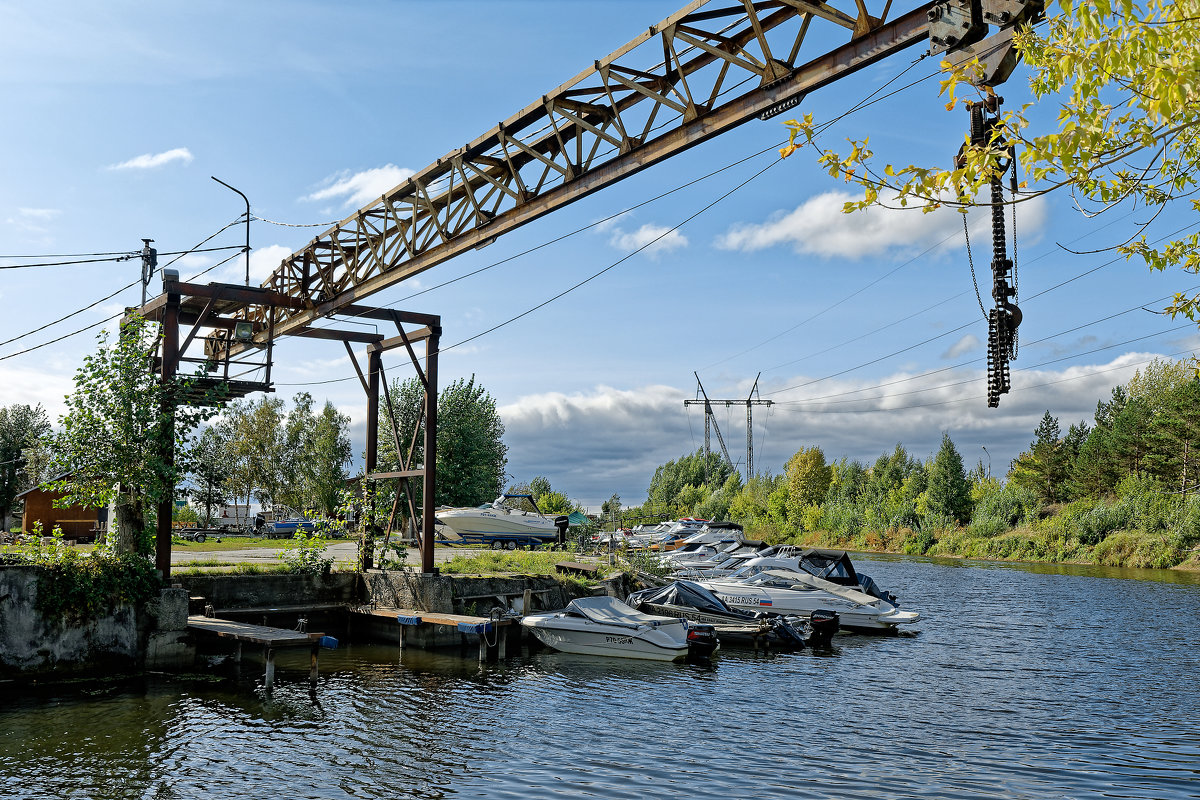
(118, 113)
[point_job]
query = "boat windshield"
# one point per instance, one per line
(777, 581)
(747, 571)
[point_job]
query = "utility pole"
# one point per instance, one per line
(149, 262)
(710, 420)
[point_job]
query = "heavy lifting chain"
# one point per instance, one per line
(1004, 317)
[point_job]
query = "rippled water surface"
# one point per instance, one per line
(1023, 682)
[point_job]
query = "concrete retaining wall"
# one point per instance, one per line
(126, 641)
(154, 636)
(232, 592)
(454, 594)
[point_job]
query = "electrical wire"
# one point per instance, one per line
(1030, 368)
(577, 285)
(981, 396)
(178, 254)
(969, 362)
(71, 255)
(874, 361)
(616, 263)
(871, 99)
(867, 101)
(94, 324)
(123, 257)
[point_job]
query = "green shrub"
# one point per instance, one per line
(917, 543)
(306, 553)
(74, 586)
(1138, 549)
(1001, 509)
(842, 517)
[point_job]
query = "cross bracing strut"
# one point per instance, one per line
(716, 68)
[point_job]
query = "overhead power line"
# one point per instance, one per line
(1030, 368)
(178, 254)
(122, 257)
(982, 395)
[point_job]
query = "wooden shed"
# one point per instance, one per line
(80, 523)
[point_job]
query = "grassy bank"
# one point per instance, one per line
(492, 562)
(1043, 543)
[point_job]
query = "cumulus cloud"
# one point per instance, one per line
(34, 383)
(263, 262)
(33, 221)
(360, 188)
(656, 239)
(965, 345)
(819, 227)
(154, 160)
(593, 443)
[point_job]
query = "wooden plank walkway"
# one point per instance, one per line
(485, 627)
(270, 639)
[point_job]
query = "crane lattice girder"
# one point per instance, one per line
(592, 131)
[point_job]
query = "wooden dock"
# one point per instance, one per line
(491, 632)
(270, 639)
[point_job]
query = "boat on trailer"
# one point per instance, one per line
(499, 525)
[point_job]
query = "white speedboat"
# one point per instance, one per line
(696, 604)
(670, 531)
(499, 525)
(604, 626)
(788, 586)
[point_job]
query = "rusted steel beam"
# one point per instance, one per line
(403, 473)
(400, 341)
(227, 291)
(362, 337)
(565, 145)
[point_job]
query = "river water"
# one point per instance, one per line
(1021, 682)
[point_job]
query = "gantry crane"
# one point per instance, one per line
(702, 71)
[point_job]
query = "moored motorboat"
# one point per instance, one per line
(696, 604)
(782, 586)
(605, 626)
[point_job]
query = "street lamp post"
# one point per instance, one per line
(989, 455)
(247, 199)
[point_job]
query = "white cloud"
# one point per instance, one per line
(963, 346)
(360, 188)
(34, 384)
(263, 262)
(656, 239)
(33, 221)
(153, 160)
(44, 214)
(819, 227)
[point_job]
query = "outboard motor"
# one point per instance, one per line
(702, 640)
(561, 522)
(824, 625)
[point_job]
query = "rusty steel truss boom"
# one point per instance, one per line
(717, 68)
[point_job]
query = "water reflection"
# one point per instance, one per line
(1023, 682)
